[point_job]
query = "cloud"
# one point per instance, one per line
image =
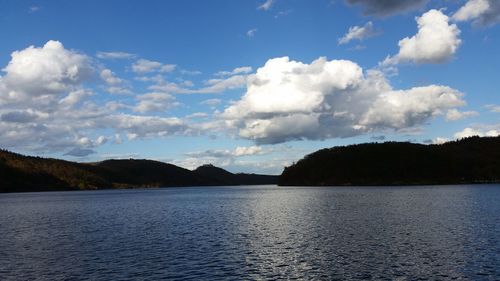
(219, 157)
(34, 9)
(118, 90)
(247, 150)
(435, 42)
(470, 132)
(144, 66)
(289, 100)
(359, 33)
(239, 151)
(115, 84)
(221, 85)
(45, 107)
(43, 73)
(80, 152)
(223, 153)
(238, 70)
(115, 55)
(223, 81)
(190, 72)
(493, 108)
(439, 140)
(407, 108)
(118, 156)
(454, 114)
(283, 13)
(482, 12)
(251, 32)
(243, 159)
(387, 7)
(212, 86)
(20, 116)
(74, 98)
(266, 5)
(146, 126)
(197, 115)
(357, 48)
(169, 87)
(109, 77)
(211, 102)
(154, 102)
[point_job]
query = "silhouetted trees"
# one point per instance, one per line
(25, 173)
(470, 160)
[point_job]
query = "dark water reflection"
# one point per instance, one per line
(253, 233)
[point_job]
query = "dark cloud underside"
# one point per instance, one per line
(387, 7)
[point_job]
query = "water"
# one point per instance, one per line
(253, 233)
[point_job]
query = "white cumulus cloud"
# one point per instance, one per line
(45, 106)
(435, 42)
(42, 73)
(290, 100)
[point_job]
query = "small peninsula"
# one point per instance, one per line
(469, 160)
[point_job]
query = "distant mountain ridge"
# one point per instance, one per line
(223, 177)
(470, 160)
(26, 173)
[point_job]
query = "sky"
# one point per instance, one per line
(246, 85)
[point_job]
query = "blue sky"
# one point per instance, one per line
(246, 85)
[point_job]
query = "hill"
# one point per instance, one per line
(470, 160)
(223, 177)
(25, 173)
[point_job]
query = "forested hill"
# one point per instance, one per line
(470, 160)
(25, 173)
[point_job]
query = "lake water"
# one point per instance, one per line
(253, 233)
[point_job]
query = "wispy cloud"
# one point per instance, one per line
(251, 32)
(359, 33)
(190, 72)
(266, 5)
(211, 102)
(283, 13)
(238, 70)
(454, 114)
(34, 9)
(480, 12)
(115, 55)
(145, 66)
(493, 108)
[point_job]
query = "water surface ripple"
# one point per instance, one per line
(253, 233)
